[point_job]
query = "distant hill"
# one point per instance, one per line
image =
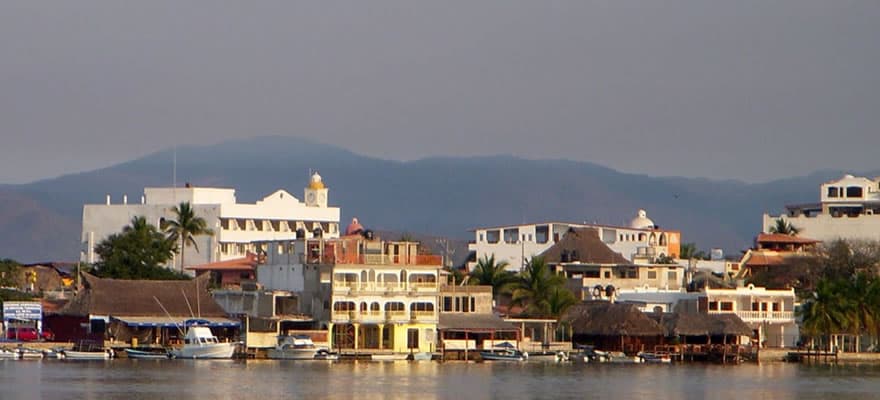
(437, 196)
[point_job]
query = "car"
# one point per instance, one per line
(28, 334)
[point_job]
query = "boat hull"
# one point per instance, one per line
(86, 355)
(209, 351)
(290, 354)
(389, 357)
(487, 356)
(146, 355)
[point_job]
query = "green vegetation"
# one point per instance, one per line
(184, 229)
(689, 250)
(138, 252)
(491, 273)
(784, 227)
(9, 272)
(540, 291)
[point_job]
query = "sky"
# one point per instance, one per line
(749, 90)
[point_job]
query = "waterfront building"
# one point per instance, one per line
(237, 226)
(848, 208)
(769, 312)
(640, 242)
(594, 271)
(771, 251)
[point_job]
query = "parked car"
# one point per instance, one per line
(28, 334)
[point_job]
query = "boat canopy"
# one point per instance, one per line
(165, 322)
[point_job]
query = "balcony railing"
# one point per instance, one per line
(395, 315)
(374, 259)
(757, 316)
(348, 286)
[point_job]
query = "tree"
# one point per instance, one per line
(784, 227)
(138, 252)
(185, 228)
(560, 300)
(689, 250)
(827, 310)
(9, 272)
(491, 273)
(535, 286)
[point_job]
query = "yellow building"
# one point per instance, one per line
(383, 294)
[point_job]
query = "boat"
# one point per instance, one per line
(200, 343)
(324, 354)
(504, 351)
(55, 353)
(621, 358)
(389, 357)
(7, 354)
(656, 358)
(296, 347)
(148, 354)
(589, 354)
(424, 356)
(30, 354)
(549, 356)
(88, 350)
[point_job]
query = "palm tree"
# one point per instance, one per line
(185, 228)
(535, 286)
(862, 295)
(827, 311)
(491, 273)
(784, 227)
(560, 300)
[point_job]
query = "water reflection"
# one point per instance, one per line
(263, 380)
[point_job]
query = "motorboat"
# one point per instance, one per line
(7, 354)
(55, 353)
(389, 357)
(148, 354)
(324, 354)
(88, 350)
(549, 356)
(589, 354)
(621, 358)
(656, 358)
(30, 354)
(504, 355)
(200, 343)
(296, 347)
(424, 356)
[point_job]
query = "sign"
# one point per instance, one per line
(22, 310)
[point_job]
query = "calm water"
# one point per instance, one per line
(263, 380)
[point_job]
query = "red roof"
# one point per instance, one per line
(760, 259)
(246, 263)
(783, 238)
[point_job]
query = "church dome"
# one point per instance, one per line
(641, 221)
(354, 228)
(316, 182)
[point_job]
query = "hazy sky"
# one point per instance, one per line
(725, 89)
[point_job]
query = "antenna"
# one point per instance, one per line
(187, 303)
(169, 316)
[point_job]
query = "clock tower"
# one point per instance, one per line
(316, 193)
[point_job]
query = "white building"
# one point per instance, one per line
(641, 242)
(849, 208)
(771, 313)
(236, 226)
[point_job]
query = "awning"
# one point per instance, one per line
(173, 322)
(473, 322)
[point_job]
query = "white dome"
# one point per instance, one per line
(641, 221)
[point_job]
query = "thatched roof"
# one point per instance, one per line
(473, 322)
(583, 245)
(601, 318)
(117, 297)
(700, 324)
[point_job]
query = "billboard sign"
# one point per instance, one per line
(22, 311)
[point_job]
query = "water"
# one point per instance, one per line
(264, 380)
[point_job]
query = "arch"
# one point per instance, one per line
(652, 240)
(363, 306)
(662, 239)
(642, 237)
(372, 275)
(375, 306)
(343, 306)
(363, 276)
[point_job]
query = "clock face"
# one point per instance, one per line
(311, 198)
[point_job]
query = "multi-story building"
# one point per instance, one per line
(641, 242)
(771, 313)
(849, 208)
(238, 227)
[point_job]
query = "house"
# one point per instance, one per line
(640, 242)
(467, 323)
(595, 271)
(771, 252)
(613, 327)
(229, 273)
(237, 226)
(769, 313)
(141, 310)
(848, 208)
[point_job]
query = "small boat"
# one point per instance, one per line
(296, 347)
(389, 357)
(55, 353)
(88, 350)
(504, 355)
(549, 356)
(30, 354)
(589, 354)
(424, 356)
(7, 354)
(148, 354)
(656, 358)
(621, 358)
(200, 343)
(324, 354)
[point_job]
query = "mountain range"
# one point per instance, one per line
(444, 196)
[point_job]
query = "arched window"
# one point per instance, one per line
(663, 239)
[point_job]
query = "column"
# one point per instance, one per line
(330, 336)
(381, 335)
(357, 329)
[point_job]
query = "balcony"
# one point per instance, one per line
(374, 259)
(396, 315)
(424, 315)
(760, 316)
(344, 287)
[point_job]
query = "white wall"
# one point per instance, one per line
(826, 228)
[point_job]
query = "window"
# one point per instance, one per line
(776, 307)
(530, 237)
(632, 274)
(482, 237)
(607, 274)
(542, 233)
(763, 306)
(652, 274)
(412, 338)
(511, 235)
(591, 274)
(447, 303)
(713, 305)
(672, 276)
(493, 236)
(756, 307)
(833, 191)
(726, 306)
(854, 191)
(466, 305)
(473, 304)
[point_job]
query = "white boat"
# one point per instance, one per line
(160, 354)
(87, 355)
(425, 356)
(6, 354)
(389, 357)
(30, 354)
(324, 354)
(656, 358)
(296, 347)
(200, 343)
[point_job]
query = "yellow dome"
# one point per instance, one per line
(316, 182)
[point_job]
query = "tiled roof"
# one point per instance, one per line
(783, 238)
(246, 263)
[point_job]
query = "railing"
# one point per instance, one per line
(395, 315)
(384, 286)
(374, 259)
(759, 315)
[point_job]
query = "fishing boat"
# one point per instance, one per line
(88, 350)
(296, 347)
(148, 354)
(200, 343)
